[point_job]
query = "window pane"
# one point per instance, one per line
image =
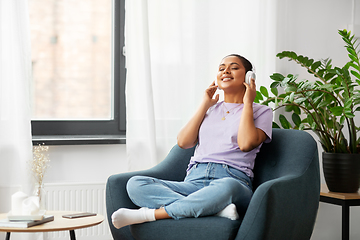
(71, 58)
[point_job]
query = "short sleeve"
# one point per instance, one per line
(263, 118)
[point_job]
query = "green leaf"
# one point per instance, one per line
(286, 99)
(315, 65)
(258, 97)
(284, 122)
(330, 123)
(275, 125)
(300, 58)
(328, 63)
(327, 86)
(324, 103)
(300, 100)
(348, 113)
(354, 65)
(285, 81)
(291, 99)
(356, 100)
(353, 58)
(318, 99)
(296, 110)
(296, 119)
(313, 126)
(288, 108)
(342, 120)
(277, 77)
(355, 74)
(309, 62)
(347, 104)
(274, 85)
(274, 91)
(328, 76)
(291, 89)
(351, 51)
(293, 55)
(346, 73)
(264, 91)
(321, 73)
(337, 111)
(310, 119)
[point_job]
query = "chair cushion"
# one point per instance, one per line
(203, 228)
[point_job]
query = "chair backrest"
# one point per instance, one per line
(289, 153)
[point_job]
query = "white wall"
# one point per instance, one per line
(85, 163)
(309, 28)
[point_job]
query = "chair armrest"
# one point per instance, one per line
(173, 167)
(117, 197)
(282, 208)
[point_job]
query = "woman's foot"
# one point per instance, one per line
(229, 212)
(124, 217)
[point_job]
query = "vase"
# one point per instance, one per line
(41, 194)
(342, 171)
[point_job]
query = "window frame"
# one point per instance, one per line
(65, 132)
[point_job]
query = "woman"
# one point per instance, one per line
(228, 135)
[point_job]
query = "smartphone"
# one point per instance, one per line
(79, 215)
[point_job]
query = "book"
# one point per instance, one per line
(39, 216)
(25, 224)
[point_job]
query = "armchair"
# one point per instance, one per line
(284, 205)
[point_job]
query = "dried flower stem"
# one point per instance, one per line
(39, 164)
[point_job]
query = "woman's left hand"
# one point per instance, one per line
(249, 137)
(250, 92)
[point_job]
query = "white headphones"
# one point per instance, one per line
(249, 75)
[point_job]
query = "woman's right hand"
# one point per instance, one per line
(188, 135)
(209, 94)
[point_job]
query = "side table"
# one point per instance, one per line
(59, 224)
(345, 200)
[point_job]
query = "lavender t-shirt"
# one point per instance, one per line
(218, 137)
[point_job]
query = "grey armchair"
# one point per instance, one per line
(284, 205)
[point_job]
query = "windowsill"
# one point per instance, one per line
(79, 139)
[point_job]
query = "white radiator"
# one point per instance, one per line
(84, 197)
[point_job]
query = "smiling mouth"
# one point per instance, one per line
(226, 79)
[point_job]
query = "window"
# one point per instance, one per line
(78, 71)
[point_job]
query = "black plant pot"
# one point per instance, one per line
(342, 172)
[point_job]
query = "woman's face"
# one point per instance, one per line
(231, 74)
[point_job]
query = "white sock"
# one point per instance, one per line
(229, 212)
(124, 216)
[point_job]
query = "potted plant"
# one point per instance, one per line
(326, 105)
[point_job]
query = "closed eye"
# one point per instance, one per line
(235, 66)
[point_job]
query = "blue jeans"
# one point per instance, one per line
(207, 189)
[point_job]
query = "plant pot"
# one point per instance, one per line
(342, 171)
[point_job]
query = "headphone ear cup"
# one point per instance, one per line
(216, 84)
(249, 75)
